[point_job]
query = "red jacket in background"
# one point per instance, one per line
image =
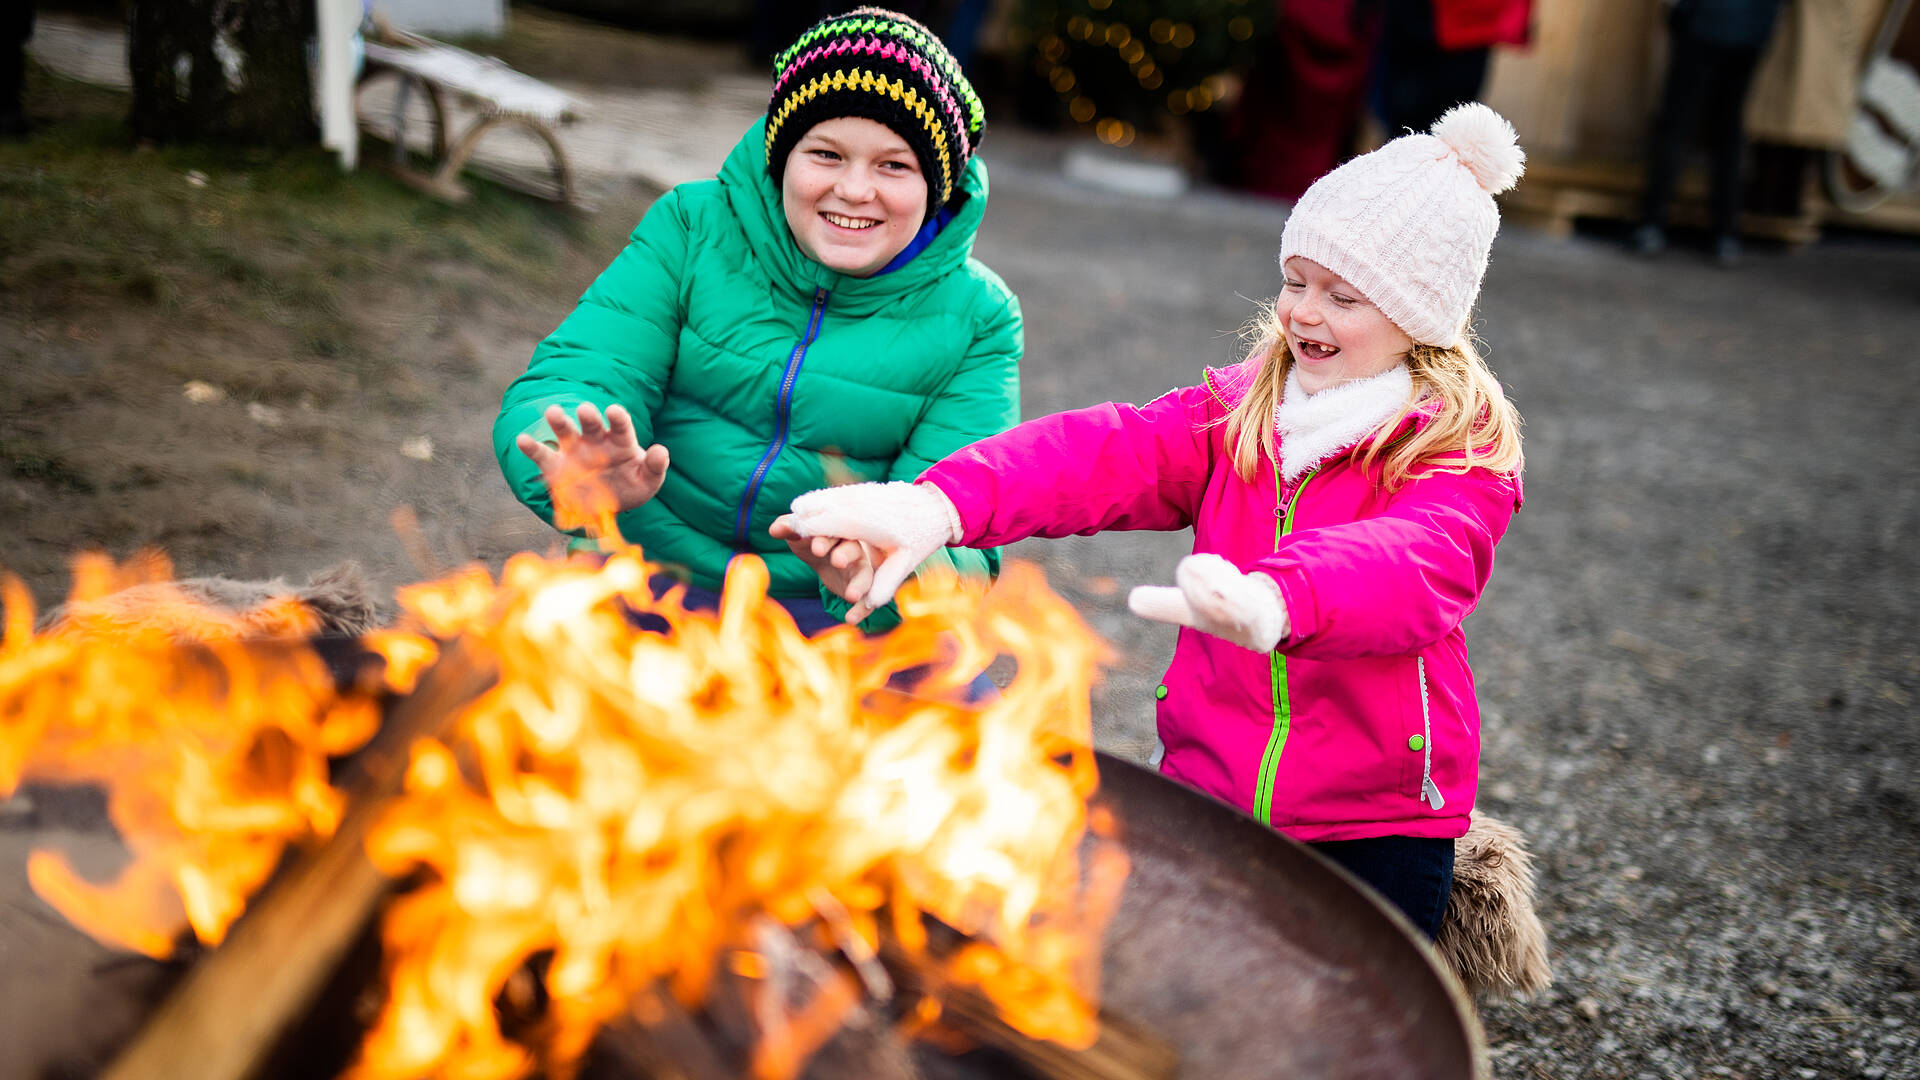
(1473, 24)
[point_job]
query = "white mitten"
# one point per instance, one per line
(1215, 598)
(908, 521)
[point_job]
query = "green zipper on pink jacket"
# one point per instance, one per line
(1282, 706)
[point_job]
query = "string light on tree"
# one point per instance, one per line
(1129, 67)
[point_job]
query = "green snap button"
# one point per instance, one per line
(1416, 743)
(1160, 692)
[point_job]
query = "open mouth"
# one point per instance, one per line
(1314, 350)
(846, 222)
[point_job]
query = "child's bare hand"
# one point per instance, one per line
(901, 524)
(845, 566)
(600, 453)
(1214, 597)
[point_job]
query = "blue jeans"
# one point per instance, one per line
(1414, 873)
(809, 612)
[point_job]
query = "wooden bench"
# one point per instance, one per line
(489, 95)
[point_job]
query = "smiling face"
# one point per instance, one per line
(1334, 332)
(853, 194)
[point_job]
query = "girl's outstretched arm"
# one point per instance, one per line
(1108, 467)
(1112, 466)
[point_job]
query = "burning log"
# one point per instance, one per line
(600, 817)
(659, 1041)
(662, 1041)
(236, 1002)
(1123, 1049)
(794, 1000)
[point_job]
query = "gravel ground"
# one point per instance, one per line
(1700, 659)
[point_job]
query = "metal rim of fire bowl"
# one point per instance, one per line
(1258, 957)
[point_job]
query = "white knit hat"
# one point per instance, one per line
(1409, 224)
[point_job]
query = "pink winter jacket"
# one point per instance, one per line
(1363, 722)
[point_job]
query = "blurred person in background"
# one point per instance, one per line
(1713, 49)
(1300, 111)
(1433, 55)
(812, 315)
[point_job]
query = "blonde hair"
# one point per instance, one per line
(1471, 423)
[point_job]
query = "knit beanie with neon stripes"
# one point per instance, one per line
(881, 65)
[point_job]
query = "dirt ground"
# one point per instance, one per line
(253, 365)
(1699, 657)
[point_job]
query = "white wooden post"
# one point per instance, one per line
(339, 23)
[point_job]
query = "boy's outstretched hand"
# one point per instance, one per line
(900, 522)
(603, 453)
(1214, 597)
(845, 566)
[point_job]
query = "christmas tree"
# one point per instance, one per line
(1130, 67)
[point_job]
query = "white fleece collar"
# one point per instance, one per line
(1315, 427)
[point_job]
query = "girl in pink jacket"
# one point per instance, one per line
(1346, 485)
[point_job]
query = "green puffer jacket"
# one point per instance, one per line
(767, 375)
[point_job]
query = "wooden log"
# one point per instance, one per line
(1124, 1049)
(224, 1018)
(661, 1041)
(658, 1041)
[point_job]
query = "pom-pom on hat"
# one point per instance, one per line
(881, 65)
(1410, 224)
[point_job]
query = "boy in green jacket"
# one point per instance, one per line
(814, 306)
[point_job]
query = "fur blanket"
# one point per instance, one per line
(1491, 936)
(335, 601)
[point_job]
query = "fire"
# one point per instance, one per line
(629, 804)
(633, 814)
(212, 749)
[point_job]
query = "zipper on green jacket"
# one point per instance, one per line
(1282, 705)
(782, 422)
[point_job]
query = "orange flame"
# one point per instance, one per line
(629, 802)
(212, 749)
(582, 500)
(634, 809)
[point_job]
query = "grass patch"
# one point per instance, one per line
(262, 238)
(218, 350)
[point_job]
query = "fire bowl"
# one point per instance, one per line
(1257, 957)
